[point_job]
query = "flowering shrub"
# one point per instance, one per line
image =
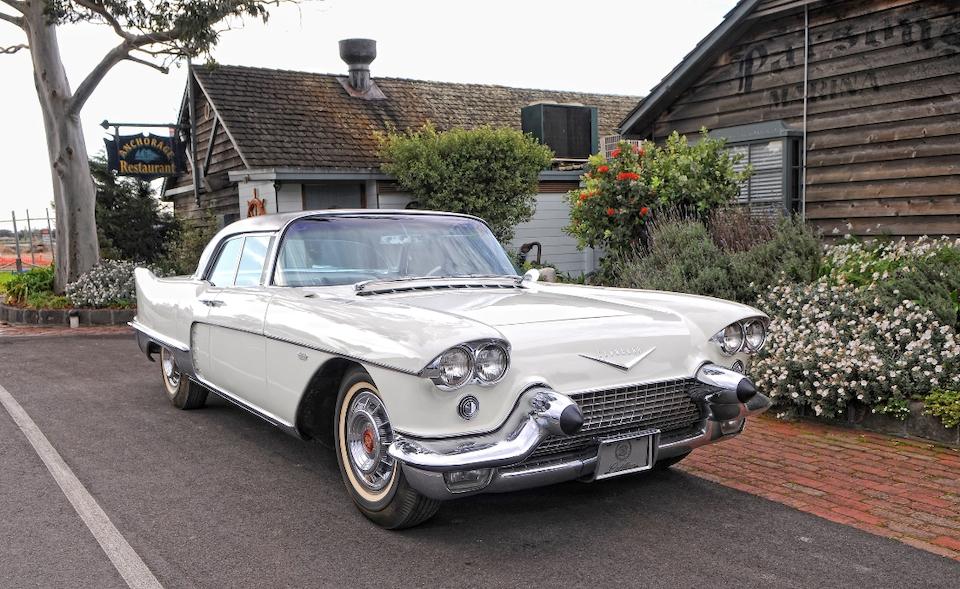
(108, 284)
(831, 345)
(926, 271)
(614, 204)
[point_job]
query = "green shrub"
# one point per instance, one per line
(488, 172)
(791, 252)
(187, 244)
(683, 256)
(619, 195)
(35, 281)
(945, 405)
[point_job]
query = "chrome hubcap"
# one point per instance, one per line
(170, 371)
(368, 436)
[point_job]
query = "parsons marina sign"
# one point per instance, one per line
(145, 156)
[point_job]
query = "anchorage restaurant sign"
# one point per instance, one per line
(146, 156)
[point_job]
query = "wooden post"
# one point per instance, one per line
(16, 240)
(33, 256)
(50, 236)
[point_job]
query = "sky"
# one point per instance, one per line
(605, 46)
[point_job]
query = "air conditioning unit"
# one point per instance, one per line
(570, 130)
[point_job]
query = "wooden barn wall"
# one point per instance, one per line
(223, 158)
(883, 108)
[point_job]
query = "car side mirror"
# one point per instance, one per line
(531, 275)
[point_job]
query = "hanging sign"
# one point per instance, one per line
(145, 156)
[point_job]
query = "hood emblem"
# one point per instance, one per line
(620, 358)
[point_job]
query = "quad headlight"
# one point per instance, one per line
(747, 336)
(483, 362)
(491, 363)
(455, 367)
(755, 334)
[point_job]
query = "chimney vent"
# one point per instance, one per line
(359, 53)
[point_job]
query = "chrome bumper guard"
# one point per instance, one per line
(498, 457)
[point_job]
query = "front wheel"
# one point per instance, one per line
(373, 478)
(183, 393)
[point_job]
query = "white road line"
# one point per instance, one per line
(127, 562)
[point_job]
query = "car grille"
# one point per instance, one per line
(665, 406)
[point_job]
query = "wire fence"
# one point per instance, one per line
(27, 240)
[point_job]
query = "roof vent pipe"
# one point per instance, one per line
(358, 53)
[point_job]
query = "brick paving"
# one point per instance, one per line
(903, 489)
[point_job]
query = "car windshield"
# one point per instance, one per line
(334, 250)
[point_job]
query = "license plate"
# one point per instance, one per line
(626, 454)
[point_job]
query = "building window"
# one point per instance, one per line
(773, 150)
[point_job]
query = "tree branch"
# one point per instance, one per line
(156, 66)
(18, 5)
(86, 88)
(13, 49)
(16, 20)
(102, 12)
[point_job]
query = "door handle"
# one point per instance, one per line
(212, 302)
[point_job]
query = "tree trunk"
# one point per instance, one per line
(73, 190)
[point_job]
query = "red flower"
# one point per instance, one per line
(616, 152)
(611, 212)
(638, 150)
(644, 211)
(628, 176)
(603, 169)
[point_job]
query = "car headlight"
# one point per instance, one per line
(491, 363)
(754, 334)
(732, 339)
(455, 367)
(747, 336)
(483, 362)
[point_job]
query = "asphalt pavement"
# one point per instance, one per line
(218, 498)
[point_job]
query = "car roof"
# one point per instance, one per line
(278, 221)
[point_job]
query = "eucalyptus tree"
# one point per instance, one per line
(154, 33)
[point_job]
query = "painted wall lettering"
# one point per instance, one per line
(773, 56)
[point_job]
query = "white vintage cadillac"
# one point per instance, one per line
(438, 372)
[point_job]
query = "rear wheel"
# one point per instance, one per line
(373, 478)
(182, 392)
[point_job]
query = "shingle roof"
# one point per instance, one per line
(299, 119)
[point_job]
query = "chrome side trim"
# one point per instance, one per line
(160, 339)
(341, 354)
(315, 348)
(254, 409)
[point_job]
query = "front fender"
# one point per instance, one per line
(382, 334)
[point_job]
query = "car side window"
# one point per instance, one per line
(252, 260)
(225, 268)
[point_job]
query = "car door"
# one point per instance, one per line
(237, 346)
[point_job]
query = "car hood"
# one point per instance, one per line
(567, 336)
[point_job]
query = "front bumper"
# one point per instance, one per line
(500, 461)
